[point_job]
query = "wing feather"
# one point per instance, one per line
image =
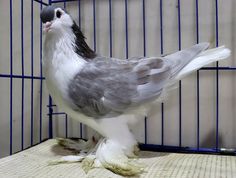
(106, 86)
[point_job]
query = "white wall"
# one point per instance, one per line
(227, 82)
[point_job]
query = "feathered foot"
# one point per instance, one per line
(112, 157)
(107, 153)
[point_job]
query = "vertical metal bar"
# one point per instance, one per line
(110, 26)
(162, 124)
(180, 115)
(50, 124)
(81, 130)
(198, 111)
(144, 30)
(79, 14)
(50, 108)
(145, 130)
(179, 25)
(162, 51)
(198, 82)
(11, 72)
(144, 54)
(32, 73)
(94, 26)
(197, 21)
(22, 73)
(66, 125)
(217, 78)
(41, 80)
(126, 30)
(66, 117)
(180, 97)
(64, 4)
(217, 23)
(161, 26)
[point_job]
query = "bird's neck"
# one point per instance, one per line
(62, 42)
(60, 55)
(70, 42)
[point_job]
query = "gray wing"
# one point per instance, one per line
(108, 87)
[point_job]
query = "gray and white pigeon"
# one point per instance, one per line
(110, 94)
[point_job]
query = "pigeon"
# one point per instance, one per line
(108, 94)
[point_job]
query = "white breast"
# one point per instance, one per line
(60, 64)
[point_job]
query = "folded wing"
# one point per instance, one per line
(106, 87)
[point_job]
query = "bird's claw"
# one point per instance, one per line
(129, 168)
(112, 157)
(88, 163)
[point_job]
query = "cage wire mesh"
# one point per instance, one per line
(199, 116)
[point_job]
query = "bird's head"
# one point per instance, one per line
(55, 19)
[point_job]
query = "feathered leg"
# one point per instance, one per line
(116, 152)
(111, 156)
(118, 147)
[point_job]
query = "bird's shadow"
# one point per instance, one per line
(61, 151)
(151, 154)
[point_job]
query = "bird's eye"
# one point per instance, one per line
(58, 14)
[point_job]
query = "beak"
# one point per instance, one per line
(47, 26)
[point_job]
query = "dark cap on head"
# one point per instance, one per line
(47, 14)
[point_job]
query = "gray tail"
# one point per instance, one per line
(181, 58)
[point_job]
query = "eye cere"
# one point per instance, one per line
(58, 14)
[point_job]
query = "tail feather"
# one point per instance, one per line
(203, 59)
(182, 58)
(173, 68)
